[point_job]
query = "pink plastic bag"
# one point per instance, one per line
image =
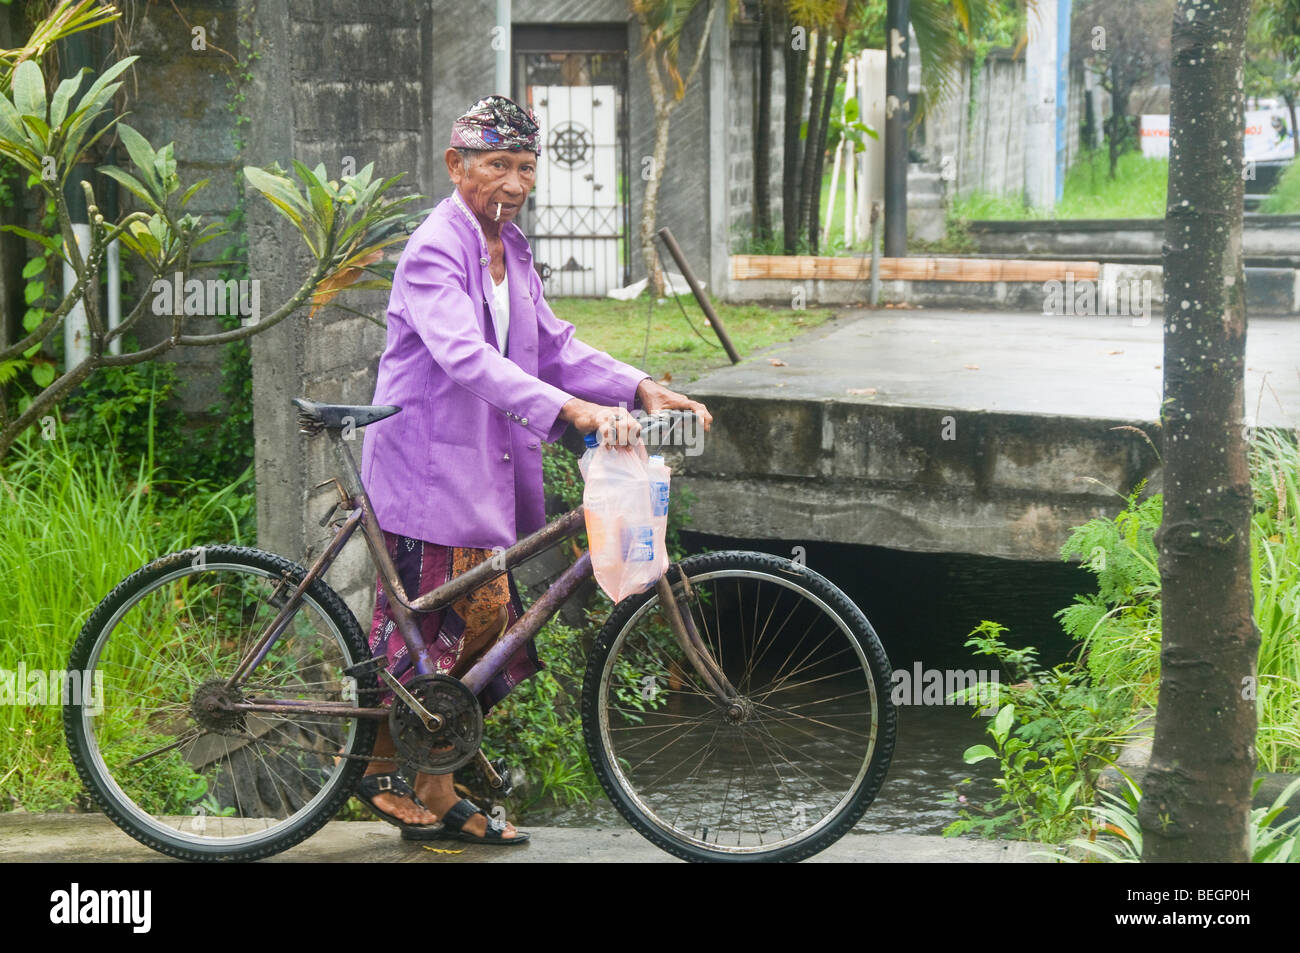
(625, 503)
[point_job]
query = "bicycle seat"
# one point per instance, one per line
(313, 416)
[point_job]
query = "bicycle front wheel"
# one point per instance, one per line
(152, 734)
(782, 771)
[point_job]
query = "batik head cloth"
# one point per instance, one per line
(495, 122)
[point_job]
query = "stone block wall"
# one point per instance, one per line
(338, 82)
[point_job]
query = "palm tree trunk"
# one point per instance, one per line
(763, 129)
(812, 146)
(1197, 790)
(1289, 99)
(664, 104)
(828, 99)
(796, 72)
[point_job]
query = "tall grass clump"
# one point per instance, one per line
(74, 524)
(1119, 625)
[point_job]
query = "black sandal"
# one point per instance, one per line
(372, 785)
(460, 812)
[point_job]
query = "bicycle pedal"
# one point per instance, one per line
(367, 666)
(507, 782)
(497, 774)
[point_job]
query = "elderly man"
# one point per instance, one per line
(484, 372)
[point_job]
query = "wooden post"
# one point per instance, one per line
(707, 306)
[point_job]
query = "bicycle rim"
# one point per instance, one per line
(242, 785)
(802, 759)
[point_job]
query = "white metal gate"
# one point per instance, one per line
(576, 224)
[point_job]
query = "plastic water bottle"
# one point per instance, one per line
(660, 475)
(584, 462)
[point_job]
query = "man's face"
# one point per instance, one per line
(492, 177)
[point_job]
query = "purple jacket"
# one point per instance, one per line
(461, 465)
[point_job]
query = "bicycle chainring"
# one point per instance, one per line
(461, 732)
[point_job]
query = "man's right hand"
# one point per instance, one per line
(614, 425)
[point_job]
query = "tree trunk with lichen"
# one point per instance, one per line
(1196, 798)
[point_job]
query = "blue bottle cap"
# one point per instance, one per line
(591, 440)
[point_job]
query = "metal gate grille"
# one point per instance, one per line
(578, 216)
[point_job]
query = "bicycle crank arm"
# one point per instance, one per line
(498, 779)
(431, 721)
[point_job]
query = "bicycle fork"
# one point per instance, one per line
(688, 637)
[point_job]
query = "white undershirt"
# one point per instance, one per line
(501, 320)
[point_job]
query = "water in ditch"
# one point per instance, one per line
(923, 607)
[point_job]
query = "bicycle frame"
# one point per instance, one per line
(405, 611)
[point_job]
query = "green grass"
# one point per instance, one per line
(1137, 191)
(1285, 197)
(619, 329)
(72, 526)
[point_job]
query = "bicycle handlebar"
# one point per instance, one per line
(658, 428)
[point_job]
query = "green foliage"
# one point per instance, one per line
(73, 524)
(132, 414)
(1137, 191)
(561, 476)
(347, 227)
(1285, 197)
(1119, 625)
(1072, 718)
(538, 726)
(1115, 835)
(1053, 734)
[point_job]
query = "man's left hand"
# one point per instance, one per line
(655, 397)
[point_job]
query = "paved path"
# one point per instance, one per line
(1073, 366)
(92, 838)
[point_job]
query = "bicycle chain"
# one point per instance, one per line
(291, 745)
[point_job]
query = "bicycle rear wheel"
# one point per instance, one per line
(781, 774)
(151, 738)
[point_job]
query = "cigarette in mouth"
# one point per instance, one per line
(498, 215)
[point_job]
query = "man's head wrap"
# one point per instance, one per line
(495, 122)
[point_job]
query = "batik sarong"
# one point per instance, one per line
(422, 567)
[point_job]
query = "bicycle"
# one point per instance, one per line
(737, 710)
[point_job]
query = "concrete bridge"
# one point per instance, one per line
(947, 431)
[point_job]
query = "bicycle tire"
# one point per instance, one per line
(814, 597)
(349, 647)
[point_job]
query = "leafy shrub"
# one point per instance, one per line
(1115, 835)
(1053, 734)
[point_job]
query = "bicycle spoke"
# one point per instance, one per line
(169, 743)
(776, 766)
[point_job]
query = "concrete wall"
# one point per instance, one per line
(336, 78)
(880, 475)
(983, 131)
(176, 93)
(1269, 291)
(1262, 236)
